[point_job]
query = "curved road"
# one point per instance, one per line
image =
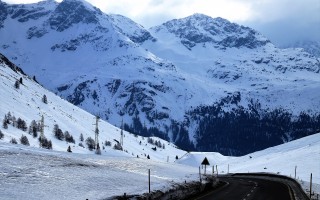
(245, 188)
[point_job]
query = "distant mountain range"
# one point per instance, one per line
(203, 83)
(310, 46)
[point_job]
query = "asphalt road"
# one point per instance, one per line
(247, 188)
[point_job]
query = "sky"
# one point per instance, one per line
(282, 21)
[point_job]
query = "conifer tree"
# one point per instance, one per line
(69, 149)
(13, 141)
(4, 123)
(57, 132)
(24, 140)
(68, 137)
(44, 99)
(17, 84)
(90, 143)
(33, 128)
(1, 134)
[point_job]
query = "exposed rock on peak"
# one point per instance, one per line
(71, 12)
(199, 28)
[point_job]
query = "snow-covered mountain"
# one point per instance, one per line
(37, 173)
(310, 46)
(25, 104)
(171, 81)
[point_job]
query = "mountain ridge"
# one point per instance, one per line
(157, 81)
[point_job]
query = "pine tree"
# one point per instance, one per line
(68, 137)
(17, 84)
(90, 143)
(69, 149)
(1, 135)
(81, 137)
(45, 143)
(118, 146)
(5, 124)
(57, 132)
(33, 128)
(9, 118)
(21, 124)
(107, 143)
(24, 140)
(13, 141)
(44, 99)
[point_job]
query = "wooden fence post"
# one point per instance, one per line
(217, 170)
(149, 180)
(310, 185)
(200, 175)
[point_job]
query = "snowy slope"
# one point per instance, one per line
(26, 103)
(38, 173)
(312, 47)
(153, 79)
(44, 174)
(303, 153)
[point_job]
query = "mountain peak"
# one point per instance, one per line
(71, 12)
(200, 28)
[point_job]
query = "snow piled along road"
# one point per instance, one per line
(32, 173)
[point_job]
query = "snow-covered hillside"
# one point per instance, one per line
(26, 103)
(302, 155)
(312, 47)
(38, 173)
(161, 81)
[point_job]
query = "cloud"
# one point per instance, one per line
(286, 21)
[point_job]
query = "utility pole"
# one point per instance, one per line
(42, 127)
(96, 139)
(121, 134)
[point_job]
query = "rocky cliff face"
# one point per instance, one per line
(174, 80)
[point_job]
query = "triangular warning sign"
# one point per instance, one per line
(205, 161)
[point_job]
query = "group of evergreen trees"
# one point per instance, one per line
(236, 131)
(243, 131)
(11, 119)
(45, 143)
(62, 136)
(34, 128)
(156, 143)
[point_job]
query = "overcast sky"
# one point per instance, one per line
(282, 21)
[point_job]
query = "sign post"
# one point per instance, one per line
(205, 162)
